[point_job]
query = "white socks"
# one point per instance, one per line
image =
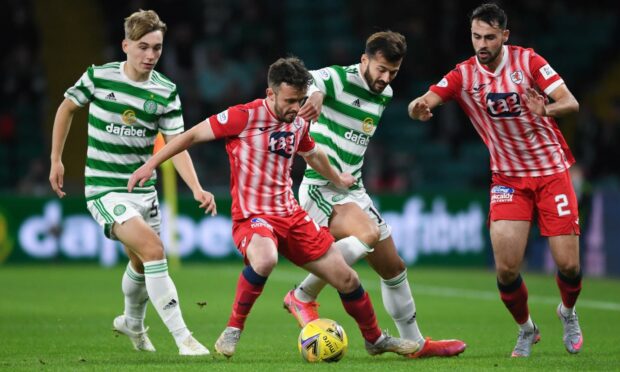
(352, 250)
(566, 311)
(398, 302)
(528, 326)
(136, 298)
(165, 299)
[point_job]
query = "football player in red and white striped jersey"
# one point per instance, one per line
(262, 138)
(505, 91)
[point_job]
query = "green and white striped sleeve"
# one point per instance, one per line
(82, 92)
(171, 121)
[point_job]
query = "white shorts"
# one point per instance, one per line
(319, 202)
(116, 207)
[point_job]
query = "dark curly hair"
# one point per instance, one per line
(490, 13)
(290, 70)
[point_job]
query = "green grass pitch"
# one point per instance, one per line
(59, 318)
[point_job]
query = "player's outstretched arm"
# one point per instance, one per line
(319, 162)
(200, 133)
(184, 165)
(62, 125)
(421, 107)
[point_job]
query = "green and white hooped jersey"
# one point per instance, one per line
(349, 118)
(124, 118)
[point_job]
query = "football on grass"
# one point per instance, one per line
(323, 340)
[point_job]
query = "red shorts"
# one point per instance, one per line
(297, 236)
(552, 198)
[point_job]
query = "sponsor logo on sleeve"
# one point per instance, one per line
(222, 117)
(547, 71)
(443, 83)
(501, 194)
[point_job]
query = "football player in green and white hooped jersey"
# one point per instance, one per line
(349, 102)
(129, 104)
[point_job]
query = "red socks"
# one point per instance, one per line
(514, 296)
(249, 286)
(569, 288)
(358, 305)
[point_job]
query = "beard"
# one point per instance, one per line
(376, 85)
(490, 57)
(285, 117)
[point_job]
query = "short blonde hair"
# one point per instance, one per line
(141, 23)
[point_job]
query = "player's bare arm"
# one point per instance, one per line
(319, 162)
(62, 125)
(420, 108)
(311, 110)
(563, 102)
(184, 165)
(200, 133)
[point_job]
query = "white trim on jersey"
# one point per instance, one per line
(553, 86)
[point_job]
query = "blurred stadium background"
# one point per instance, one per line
(431, 179)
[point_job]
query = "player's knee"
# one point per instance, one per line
(264, 265)
(370, 235)
(347, 282)
(152, 250)
(569, 270)
(507, 274)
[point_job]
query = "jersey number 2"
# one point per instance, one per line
(562, 203)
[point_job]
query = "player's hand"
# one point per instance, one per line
(139, 177)
(207, 201)
(419, 110)
(345, 180)
(534, 101)
(311, 110)
(57, 175)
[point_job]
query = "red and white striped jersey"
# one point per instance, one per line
(521, 143)
(261, 150)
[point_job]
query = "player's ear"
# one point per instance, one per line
(270, 94)
(125, 45)
(505, 35)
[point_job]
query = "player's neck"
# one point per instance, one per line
(134, 74)
(270, 107)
